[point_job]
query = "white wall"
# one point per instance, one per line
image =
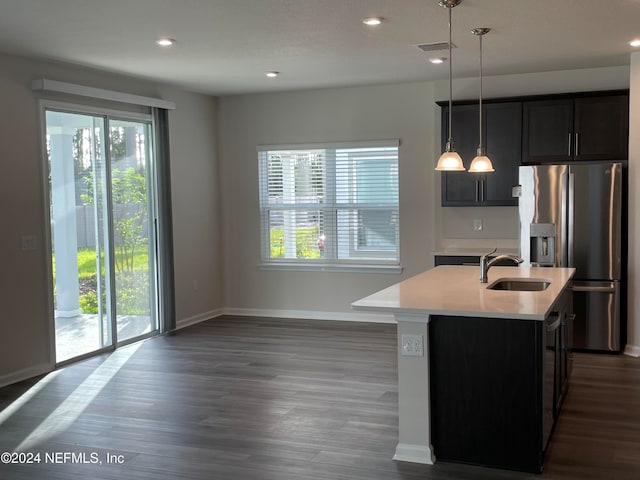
(197, 221)
(365, 113)
(633, 329)
(24, 321)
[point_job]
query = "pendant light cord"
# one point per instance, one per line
(480, 100)
(450, 84)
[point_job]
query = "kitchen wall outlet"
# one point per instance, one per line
(412, 345)
(477, 224)
(516, 191)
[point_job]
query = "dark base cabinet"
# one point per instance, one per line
(497, 387)
(486, 395)
(467, 260)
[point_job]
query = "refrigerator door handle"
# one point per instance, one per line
(570, 219)
(577, 288)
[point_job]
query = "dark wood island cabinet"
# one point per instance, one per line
(482, 369)
(497, 387)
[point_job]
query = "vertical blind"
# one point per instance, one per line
(330, 203)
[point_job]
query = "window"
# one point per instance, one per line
(330, 204)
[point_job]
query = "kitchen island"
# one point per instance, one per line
(481, 372)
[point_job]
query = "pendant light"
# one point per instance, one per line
(481, 163)
(450, 161)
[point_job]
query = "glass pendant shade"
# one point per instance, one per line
(450, 162)
(481, 164)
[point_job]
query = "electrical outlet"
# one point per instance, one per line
(477, 224)
(412, 345)
(28, 242)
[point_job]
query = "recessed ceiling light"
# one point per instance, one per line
(165, 41)
(272, 74)
(437, 60)
(373, 21)
(635, 43)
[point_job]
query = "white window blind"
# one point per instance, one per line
(330, 204)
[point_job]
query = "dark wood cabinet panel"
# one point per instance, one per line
(456, 260)
(572, 129)
(497, 386)
(461, 188)
(486, 392)
(466, 260)
(504, 144)
(547, 131)
(602, 128)
(502, 138)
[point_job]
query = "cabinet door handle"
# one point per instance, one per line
(569, 146)
(477, 192)
(576, 147)
(481, 190)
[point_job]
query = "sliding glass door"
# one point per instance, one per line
(102, 235)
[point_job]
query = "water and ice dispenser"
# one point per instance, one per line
(543, 243)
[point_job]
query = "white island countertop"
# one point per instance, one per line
(456, 290)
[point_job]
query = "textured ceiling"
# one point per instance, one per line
(225, 46)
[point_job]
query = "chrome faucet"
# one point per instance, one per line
(486, 264)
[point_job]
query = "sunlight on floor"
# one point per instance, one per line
(27, 396)
(71, 408)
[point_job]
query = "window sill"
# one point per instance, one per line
(353, 268)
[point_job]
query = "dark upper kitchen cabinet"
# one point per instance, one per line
(461, 188)
(502, 123)
(591, 127)
(503, 140)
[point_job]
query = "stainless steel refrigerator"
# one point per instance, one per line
(570, 216)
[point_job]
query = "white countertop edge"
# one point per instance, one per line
(423, 315)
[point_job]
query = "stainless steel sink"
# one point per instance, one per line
(520, 284)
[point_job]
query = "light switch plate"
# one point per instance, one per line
(412, 345)
(477, 224)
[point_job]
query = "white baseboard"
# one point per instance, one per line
(406, 452)
(185, 322)
(632, 350)
(25, 374)
(311, 315)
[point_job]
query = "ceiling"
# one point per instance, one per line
(225, 46)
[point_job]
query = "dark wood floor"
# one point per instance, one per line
(236, 399)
